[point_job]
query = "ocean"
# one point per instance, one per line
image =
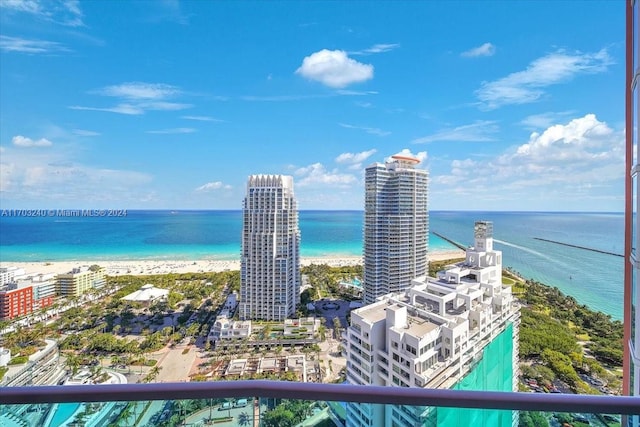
(594, 279)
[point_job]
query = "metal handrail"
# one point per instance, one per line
(331, 392)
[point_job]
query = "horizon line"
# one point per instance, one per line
(299, 210)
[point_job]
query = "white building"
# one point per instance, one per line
(304, 326)
(396, 226)
(44, 284)
(231, 302)
(225, 328)
(459, 330)
(5, 356)
(147, 294)
(270, 263)
(10, 274)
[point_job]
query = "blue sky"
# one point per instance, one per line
(173, 104)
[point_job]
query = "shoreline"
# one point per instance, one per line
(148, 267)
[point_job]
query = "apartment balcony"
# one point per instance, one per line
(251, 402)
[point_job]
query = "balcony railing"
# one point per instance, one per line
(322, 392)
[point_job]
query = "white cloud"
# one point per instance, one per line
(422, 155)
(138, 97)
(164, 106)
(140, 90)
(377, 48)
(166, 11)
(64, 12)
(355, 157)
(544, 120)
(317, 175)
(334, 68)
(212, 186)
(16, 44)
(120, 109)
(172, 131)
(573, 141)
(51, 177)
(29, 6)
(22, 141)
(82, 132)
(288, 98)
(281, 98)
(567, 166)
(202, 118)
(363, 104)
(479, 131)
(349, 92)
(369, 130)
(486, 49)
(354, 160)
(527, 86)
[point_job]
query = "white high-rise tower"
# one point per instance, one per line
(270, 262)
(458, 330)
(396, 226)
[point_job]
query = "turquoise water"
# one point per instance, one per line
(592, 278)
(187, 235)
(63, 412)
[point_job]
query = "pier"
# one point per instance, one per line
(456, 244)
(578, 247)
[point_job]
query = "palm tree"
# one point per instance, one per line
(244, 419)
(4, 324)
(126, 413)
(72, 361)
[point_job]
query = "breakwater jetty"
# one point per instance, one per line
(578, 247)
(446, 239)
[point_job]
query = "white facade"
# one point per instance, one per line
(396, 226)
(303, 326)
(5, 356)
(10, 274)
(231, 302)
(432, 334)
(225, 328)
(270, 262)
(44, 285)
(147, 294)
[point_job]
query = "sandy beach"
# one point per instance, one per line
(145, 267)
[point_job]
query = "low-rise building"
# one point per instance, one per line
(15, 301)
(80, 280)
(42, 368)
(302, 327)
(44, 288)
(9, 274)
(5, 356)
(147, 295)
(225, 328)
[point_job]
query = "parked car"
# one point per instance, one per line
(241, 403)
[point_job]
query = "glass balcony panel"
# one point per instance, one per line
(273, 412)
